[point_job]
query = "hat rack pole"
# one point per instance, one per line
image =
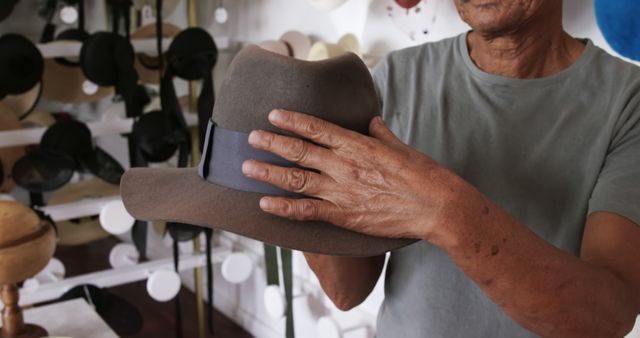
(192, 21)
(78, 209)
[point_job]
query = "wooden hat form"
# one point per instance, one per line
(147, 66)
(26, 246)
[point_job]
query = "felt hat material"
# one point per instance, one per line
(147, 66)
(618, 21)
(107, 59)
(157, 137)
(6, 7)
(192, 56)
(73, 138)
(41, 170)
(21, 65)
(66, 146)
(87, 229)
(339, 90)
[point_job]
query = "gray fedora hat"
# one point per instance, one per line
(218, 195)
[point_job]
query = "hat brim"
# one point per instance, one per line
(64, 83)
(180, 195)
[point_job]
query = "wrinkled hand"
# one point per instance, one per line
(374, 185)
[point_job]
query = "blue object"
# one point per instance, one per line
(619, 21)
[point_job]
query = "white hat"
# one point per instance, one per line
(323, 50)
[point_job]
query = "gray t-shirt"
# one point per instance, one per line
(549, 151)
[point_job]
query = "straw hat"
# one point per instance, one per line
(348, 43)
(8, 156)
(218, 195)
(87, 229)
(299, 44)
(147, 66)
(168, 6)
(65, 81)
(291, 43)
(21, 68)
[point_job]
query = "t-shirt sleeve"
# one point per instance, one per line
(380, 77)
(617, 189)
(387, 91)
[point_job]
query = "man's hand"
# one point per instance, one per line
(374, 185)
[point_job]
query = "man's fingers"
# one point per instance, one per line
(300, 209)
(378, 130)
(293, 149)
(312, 128)
(291, 179)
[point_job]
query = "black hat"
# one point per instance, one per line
(43, 170)
(21, 65)
(191, 56)
(73, 138)
(107, 59)
(6, 7)
(158, 137)
(72, 34)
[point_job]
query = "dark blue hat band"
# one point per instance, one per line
(221, 163)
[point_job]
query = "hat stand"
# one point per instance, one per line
(13, 325)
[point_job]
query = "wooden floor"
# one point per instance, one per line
(159, 318)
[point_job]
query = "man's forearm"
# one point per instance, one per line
(546, 290)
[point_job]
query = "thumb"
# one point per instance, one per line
(378, 130)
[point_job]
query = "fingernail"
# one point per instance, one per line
(248, 167)
(275, 115)
(254, 138)
(379, 120)
(266, 204)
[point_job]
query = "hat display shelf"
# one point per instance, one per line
(49, 284)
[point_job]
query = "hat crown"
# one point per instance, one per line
(21, 64)
(339, 90)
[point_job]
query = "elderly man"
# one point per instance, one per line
(521, 178)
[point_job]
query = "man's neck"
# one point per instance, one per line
(538, 49)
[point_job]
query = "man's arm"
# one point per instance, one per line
(346, 280)
(379, 186)
(546, 290)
